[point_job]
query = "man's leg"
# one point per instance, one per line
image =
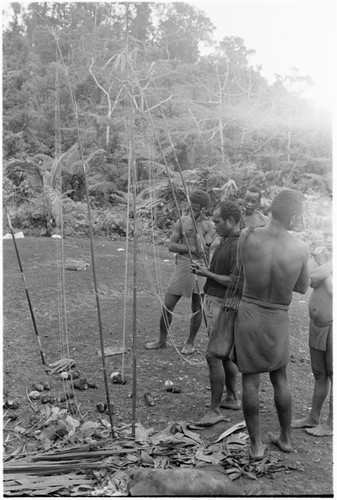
(165, 321)
(231, 399)
(195, 323)
(217, 382)
(321, 389)
(325, 428)
(250, 407)
(282, 399)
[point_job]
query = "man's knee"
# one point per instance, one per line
(212, 360)
(170, 301)
(320, 373)
(250, 381)
(230, 367)
(279, 377)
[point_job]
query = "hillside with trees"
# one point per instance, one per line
(102, 84)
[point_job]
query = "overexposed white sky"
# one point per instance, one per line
(284, 34)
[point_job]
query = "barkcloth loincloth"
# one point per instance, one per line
(318, 334)
(261, 336)
(182, 281)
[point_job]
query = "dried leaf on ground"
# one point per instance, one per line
(232, 429)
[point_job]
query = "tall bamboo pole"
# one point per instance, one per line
(100, 325)
(135, 249)
(25, 284)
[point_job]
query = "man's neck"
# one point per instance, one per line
(276, 226)
(235, 230)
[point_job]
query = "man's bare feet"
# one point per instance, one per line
(320, 430)
(211, 418)
(286, 447)
(303, 422)
(188, 349)
(157, 344)
(230, 404)
(256, 452)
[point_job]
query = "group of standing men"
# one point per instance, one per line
(275, 264)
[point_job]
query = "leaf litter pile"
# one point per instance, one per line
(64, 455)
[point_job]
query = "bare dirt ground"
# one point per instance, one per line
(309, 467)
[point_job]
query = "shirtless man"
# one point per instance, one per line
(185, 241)
(275, 264)
(252, 216)
(222, 372)
(320, 340)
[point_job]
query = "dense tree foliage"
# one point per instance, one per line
(102, 77)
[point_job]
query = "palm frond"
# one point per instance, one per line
(54, 197)
(148, 188)
(121, 196)
(95, 153)
(103, 187)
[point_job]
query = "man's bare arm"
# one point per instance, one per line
(320, 273)
(175, 245)
(302, 284)
(200, 270)
(210, 233)
(328, 284)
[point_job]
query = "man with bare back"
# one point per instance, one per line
(275, 264)
(320, 339)
(188, 242)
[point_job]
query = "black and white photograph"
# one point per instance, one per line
(167, 256)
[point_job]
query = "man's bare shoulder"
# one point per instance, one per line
(262, 218)
(207, 224)
(299, 244)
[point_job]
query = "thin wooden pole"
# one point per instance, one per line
(181, 174)
(173, 191)
(135, 250)
(25, 284)
(74, 106)
(100, 324)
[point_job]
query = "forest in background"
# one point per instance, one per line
(103, 85)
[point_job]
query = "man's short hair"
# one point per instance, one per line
(229, 209)
(254, 189)
(287, 204)
(201, 197)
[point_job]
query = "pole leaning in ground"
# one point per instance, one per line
(25, 283)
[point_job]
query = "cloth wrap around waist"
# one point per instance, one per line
(182, 281)
(261, 336)
(319, 333)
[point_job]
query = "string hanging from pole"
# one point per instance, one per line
(180, 172)
(166, 165)
(153, 268)
(60, 261)
(163, 155)
(126, 256)
(158, 294)
(74, 106)
(172, 187)
(133, 171)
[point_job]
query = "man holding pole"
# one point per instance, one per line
(222, 372)
(191, 235)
